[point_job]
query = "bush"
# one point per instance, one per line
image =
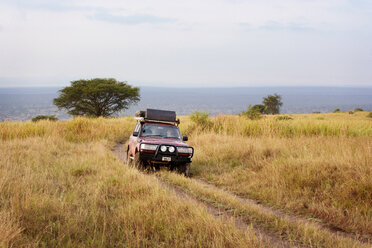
(252, 113)
(200, 118)
(358, 110)
(259, 107)
(337, 110)
(45, 117)
(284, 118)
(369, 115)
(316, 112)
(272, 104)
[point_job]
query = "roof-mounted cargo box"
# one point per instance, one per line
(158, 115)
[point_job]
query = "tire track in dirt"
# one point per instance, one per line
(291, 217)
(221, 213)
(224, 215)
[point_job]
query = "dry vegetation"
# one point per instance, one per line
(60, 185)
(319, 165)
(294, 230)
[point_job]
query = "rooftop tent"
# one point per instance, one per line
(158, 115)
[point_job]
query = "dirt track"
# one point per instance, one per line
(271, 238)
(219, 213)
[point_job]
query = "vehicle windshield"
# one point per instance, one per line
(158, 130)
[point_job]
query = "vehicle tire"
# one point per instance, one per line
(184, 169)
(129, 160)
(138, 163)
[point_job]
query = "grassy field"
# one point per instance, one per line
(60, 184)
(316, 165)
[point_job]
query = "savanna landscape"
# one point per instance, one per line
(206, 124)
(278, 181)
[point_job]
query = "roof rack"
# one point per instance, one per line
(157, 115)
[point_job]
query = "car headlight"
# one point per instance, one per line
(184, 149)
(163, 148)
(148, 147)
(171, 149)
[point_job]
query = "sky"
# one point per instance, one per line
(175, 43)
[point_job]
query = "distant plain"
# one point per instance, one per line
(22, 104)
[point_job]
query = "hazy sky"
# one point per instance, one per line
(187, 43)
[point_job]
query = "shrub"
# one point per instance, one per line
(200, 118)
(358, 110)
(316, 112)
(252, 113)
(337, 110)
(45, 117)
(369, 115)
(259, 107)
(284, 118)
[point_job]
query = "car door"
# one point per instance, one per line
(133, 140)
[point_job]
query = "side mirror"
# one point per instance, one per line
(135, 134)
(185, 138)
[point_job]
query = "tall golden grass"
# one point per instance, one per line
(76, 130)
(309, 125)
(318, 165)
(61, 186)
(297, 232)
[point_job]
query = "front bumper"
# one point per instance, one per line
(165, 157)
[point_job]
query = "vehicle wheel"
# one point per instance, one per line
(138, 163)
(184, 169)
(129, 160)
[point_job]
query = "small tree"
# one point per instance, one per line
(252, 113)
(259, 108)
(337, 110)
(272, 104)
(96, 97)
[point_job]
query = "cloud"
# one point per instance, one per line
(99, 13)
(277, 26)
(246, 25)
(53, 5)
(226, 40)
(291, 26)
(129, 19)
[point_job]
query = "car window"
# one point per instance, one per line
(156, 130)
(137, 128)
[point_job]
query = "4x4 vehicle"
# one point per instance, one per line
(156, 141)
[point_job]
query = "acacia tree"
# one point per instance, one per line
(96, 97)
(272, 104)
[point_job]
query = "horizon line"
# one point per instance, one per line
(209, 87)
